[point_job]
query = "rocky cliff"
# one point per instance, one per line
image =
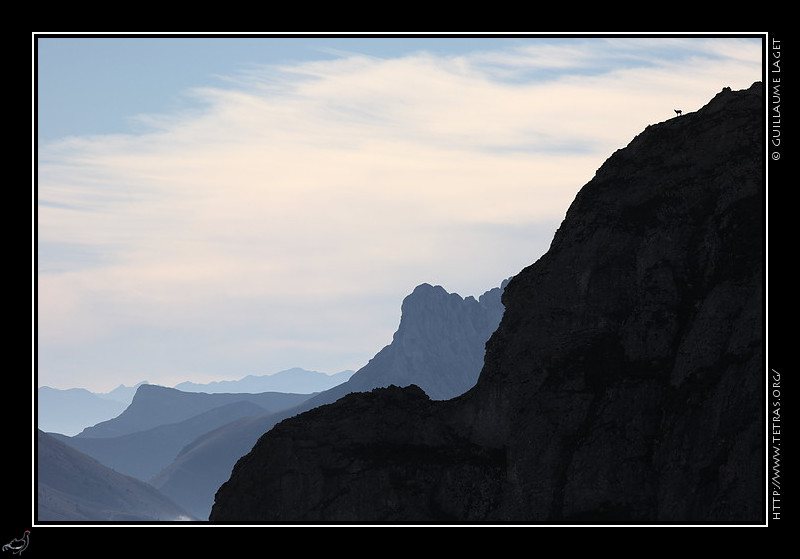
(624, 383)
(439, 345)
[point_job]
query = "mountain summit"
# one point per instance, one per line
(623, 385)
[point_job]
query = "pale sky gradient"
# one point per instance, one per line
(213, 208)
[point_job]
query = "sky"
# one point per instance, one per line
(209, 208)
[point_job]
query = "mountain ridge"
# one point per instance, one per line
(295, 381)
(70, 411)
(155, 405)
(143, 454)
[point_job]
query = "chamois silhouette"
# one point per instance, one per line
(678, 112)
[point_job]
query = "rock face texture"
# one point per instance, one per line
(624, 383)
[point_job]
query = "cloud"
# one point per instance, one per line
(319, 189)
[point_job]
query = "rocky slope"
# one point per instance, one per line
(624, 383)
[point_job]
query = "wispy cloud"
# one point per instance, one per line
(299, 192)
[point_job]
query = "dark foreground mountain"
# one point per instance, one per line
(439, 345)
(74, 487)
(624, 383)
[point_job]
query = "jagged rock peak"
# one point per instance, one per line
(439, 344)
(429, 306)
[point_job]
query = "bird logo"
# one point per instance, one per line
(18, 545)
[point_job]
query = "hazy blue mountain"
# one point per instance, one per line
(296, 381)
(70, 411)
(74, 487)
(439, 345)
(153, 406)
(145, 453)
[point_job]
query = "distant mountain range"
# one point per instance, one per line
(160, 421)
(70, 411)
(141, 441)
(154, 406)
(295, 381)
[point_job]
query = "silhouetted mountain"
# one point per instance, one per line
(72, 410)
(73, 487)
(623, 385)
(438, 345)
(296, 381)
(153, 406)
